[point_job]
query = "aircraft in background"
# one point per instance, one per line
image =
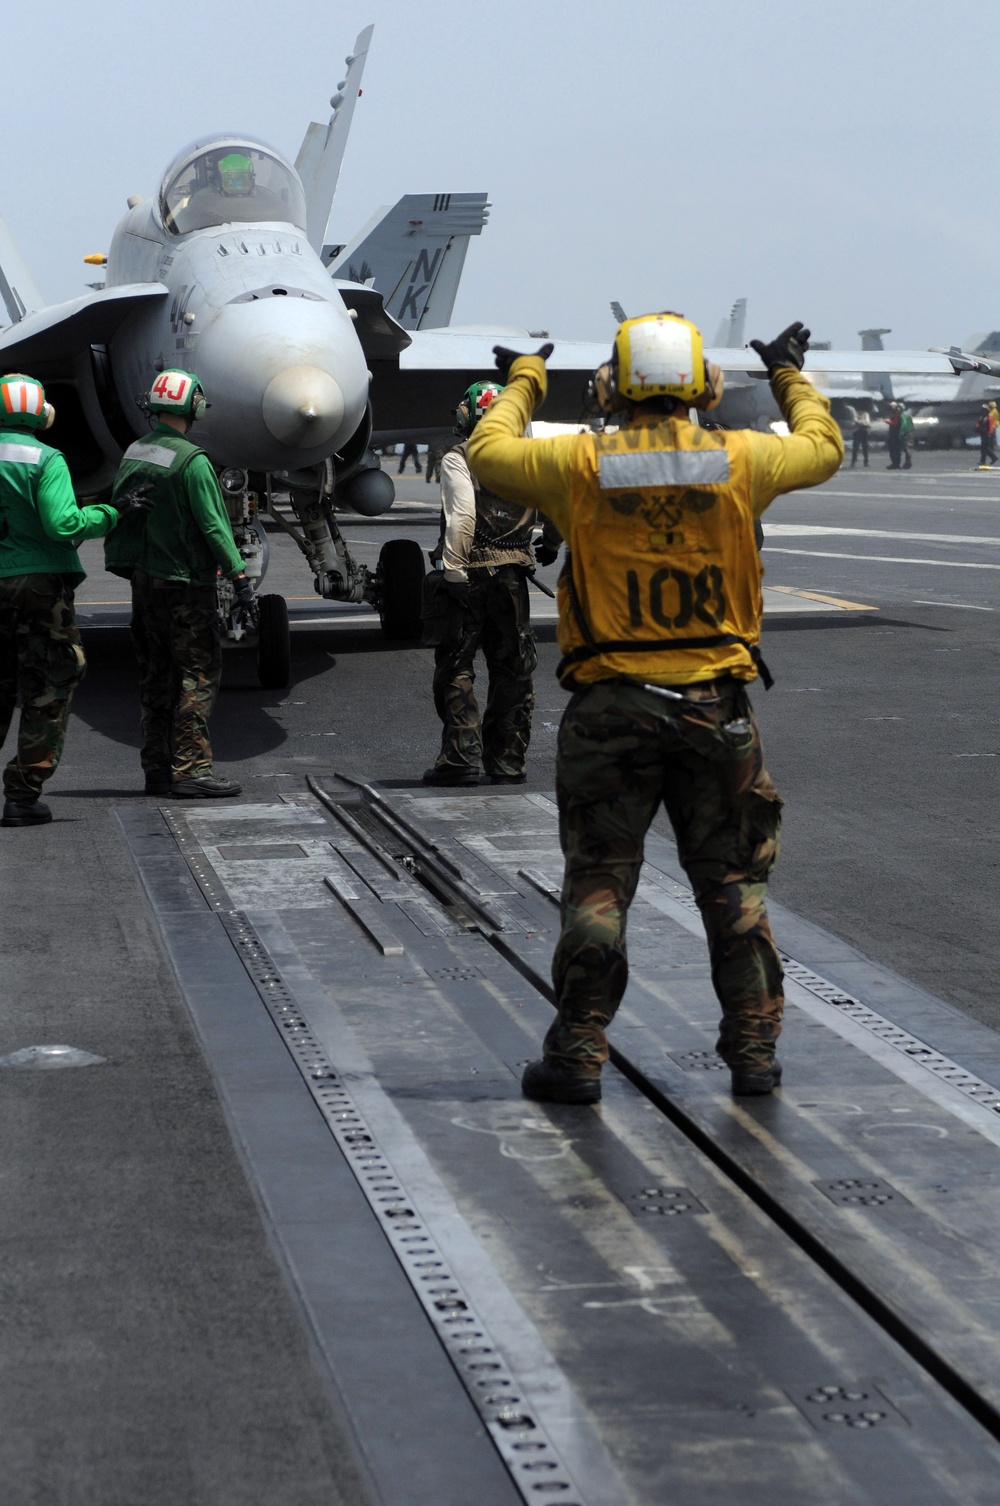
(222, 272)
(413, 254)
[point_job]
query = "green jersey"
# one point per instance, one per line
(187, 536)
(41, 521)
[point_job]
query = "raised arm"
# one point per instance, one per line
(535, 472)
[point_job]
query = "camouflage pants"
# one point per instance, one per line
(495, 619)
(176, 638)
(42, 656)
(622, 750)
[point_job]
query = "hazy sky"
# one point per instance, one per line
(836, 164)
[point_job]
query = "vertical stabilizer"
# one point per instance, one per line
(413, 254)
(875, 381)
(729, 335)
(18, 291)
(737, 324)
(322, 151)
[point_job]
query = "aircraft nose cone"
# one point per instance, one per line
(303, 406)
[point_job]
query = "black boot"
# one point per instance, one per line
(754, 1079)
(205, 787)
(451, 774)
(547, 1083)
(25, 813)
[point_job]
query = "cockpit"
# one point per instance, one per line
(230, 180)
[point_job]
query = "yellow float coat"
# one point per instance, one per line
(659, 519)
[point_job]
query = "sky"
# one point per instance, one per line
(835, 164)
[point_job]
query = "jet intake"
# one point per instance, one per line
(303, 406)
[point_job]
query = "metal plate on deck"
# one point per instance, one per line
(637, 1267)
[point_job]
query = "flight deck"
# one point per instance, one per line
(299, 1022)
(675, 1295)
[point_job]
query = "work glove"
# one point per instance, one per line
(546, 554)
(138, 498)
(787, 349)
(458, 591)
(246, 599)
(505, 358)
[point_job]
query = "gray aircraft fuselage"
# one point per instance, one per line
(250, 309)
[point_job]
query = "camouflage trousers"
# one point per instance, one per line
(42, 657)
(175, 633)
(623, 750)
(497, 620)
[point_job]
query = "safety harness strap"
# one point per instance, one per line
(590, 649)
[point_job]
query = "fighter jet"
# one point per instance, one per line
(217, 273)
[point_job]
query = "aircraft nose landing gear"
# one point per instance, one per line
(268, 628)
(399, 581)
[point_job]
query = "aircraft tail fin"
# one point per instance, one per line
(737, 324)
(18, 290)
(413, 254)
(322, 151)
(875, 381)
(730, 334)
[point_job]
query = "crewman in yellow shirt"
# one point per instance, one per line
(660, 605)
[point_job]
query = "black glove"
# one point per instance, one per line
(138, 498)
(505, 358)
(546, 554)
(458, 590)
(788, 349)
(246, 596)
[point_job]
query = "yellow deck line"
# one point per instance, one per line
(830, 601)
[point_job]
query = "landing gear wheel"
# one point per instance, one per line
(274, 645)
(401, 571)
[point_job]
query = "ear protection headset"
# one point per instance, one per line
(178, 392)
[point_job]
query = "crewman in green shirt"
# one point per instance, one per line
(173, 558)
(41, 655)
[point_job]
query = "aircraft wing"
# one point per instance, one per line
(54, 336)
(322, 151)
(850, 362)
(420, 390)
(472, 346)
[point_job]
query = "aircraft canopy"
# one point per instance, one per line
(230, 181)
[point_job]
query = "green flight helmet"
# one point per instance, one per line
(177, 392)
(22, 403)
(476, 401)
(236, 175)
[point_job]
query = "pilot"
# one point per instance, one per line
(172, 560)
(40, 650)
(487, 556)
(660, 615)
(226, 175)
(236, 177)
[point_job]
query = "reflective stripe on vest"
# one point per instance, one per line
(20, 454)
(663, 468)
(152, 454)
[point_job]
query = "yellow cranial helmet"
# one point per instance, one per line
(659, 355)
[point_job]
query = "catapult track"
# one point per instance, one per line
(671, 1297)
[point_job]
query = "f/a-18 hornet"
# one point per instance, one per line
(221, 273)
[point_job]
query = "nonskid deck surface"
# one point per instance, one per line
(675, 1295)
